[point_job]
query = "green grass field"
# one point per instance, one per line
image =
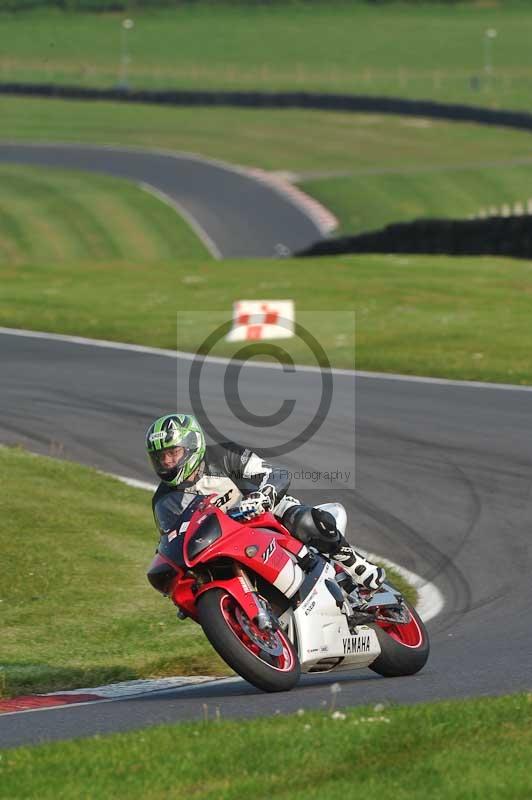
(77, 610)
(306, 142)
(429, 51)
(470, 750)
(50, 215)
(369, 169)
(365, 202)
(417, 315)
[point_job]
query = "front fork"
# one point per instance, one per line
(263, 619)
(244, 593)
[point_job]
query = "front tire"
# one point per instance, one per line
(404, 647)
(267, 659)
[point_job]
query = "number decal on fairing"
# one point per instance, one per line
(269, 551)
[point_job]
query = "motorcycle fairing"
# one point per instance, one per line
(321, 631)
(275, 559)
(162, 574)
(184, 598)
(185, 595)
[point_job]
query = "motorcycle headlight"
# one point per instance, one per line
(161, 575)
(206, 534)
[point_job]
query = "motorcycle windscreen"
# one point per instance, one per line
(171, 546)
(173, 509)
(171, 519)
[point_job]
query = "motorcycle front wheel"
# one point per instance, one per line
(267, 659)
(404, 646)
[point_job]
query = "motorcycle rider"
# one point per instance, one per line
(187, 467)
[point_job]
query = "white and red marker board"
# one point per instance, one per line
(262, 319)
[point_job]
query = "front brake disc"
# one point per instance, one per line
(268, 642)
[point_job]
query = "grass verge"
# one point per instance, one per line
(462, 318)
(428, 51)
(77, 610)
(60, 216)
(408, 752)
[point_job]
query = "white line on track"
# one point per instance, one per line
(175, 354)
(148, 487)
(200, 232)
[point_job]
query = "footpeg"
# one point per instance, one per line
(359, 618)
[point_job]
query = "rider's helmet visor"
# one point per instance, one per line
(168, 462)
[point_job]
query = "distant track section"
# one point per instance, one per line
(234, 214)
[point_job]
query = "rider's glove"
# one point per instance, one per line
(256, 503)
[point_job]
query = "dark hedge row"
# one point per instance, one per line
(125, 5)
(502, 236)
(311, 100)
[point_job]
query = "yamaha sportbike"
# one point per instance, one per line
(273, 608)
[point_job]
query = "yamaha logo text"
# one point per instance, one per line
(356, 644)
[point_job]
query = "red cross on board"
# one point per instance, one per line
(254, 332)
(269, 317)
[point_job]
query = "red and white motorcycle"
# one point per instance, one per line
(272, 608)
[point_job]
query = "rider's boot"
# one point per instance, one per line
(362, 571)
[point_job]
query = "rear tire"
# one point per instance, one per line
(237, 641)
(404, 648)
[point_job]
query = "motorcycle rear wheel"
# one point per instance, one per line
(267, 659)
(404, 647)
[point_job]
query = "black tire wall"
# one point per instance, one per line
(497, 236)
(521, 120)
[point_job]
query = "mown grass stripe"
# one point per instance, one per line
(47, 237)
(51, 215)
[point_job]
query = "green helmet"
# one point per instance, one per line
(175, 432)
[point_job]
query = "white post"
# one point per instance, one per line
(489, 35)
(125, 60)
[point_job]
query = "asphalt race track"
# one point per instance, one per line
(442, 481)
(235, 215)
(443, 486)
